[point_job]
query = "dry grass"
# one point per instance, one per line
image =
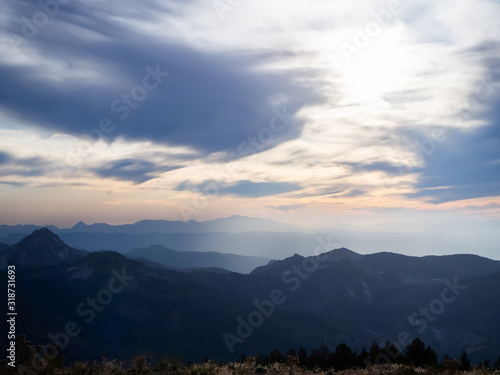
(139, 366)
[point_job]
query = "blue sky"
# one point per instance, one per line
(357, 117)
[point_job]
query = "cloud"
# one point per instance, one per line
(466, 165)
(171, 74)
(355, 192)
(286, 207)
(209, 101)
(13, 183)
(19, 166)
(371, 166)
(137, 171)
(243, 188)
(4, 157)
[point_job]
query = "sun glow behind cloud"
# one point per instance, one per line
(360, 140)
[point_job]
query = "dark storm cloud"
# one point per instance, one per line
(26, 167)
(466, 165)
(137, 171)
(243, 188)
(209, 101)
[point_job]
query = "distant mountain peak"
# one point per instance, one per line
(343, 253)
(43, 231)
(80, 224)
(44, 235)
(279, 266)
(41, 248)
(232, 224)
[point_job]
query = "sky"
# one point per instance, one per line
(375, 120)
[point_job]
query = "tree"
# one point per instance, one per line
(343, 358)
(496, 366)
(362, 358)
(485, 365)
(302, 354)
(430, 357)
(319, 357)
(418, 355)
(276, 356)
(392, 353)
(374, 353)
(464, 362)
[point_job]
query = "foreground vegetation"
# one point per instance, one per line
(140, 367)
(416, 359)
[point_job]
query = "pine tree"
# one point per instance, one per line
(362, 358)
(465, 362)
(374, 353)
(496, 366)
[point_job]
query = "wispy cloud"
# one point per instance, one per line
(244, 188)
(137, 171)
(78, 97)
(286, 207)
(22, 166)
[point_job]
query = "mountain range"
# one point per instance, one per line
(124, 307)
(193, 259)
(41, 248)
(232, 224)
(236, 235)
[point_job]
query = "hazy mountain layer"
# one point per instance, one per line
(193, 259)
(123, 307)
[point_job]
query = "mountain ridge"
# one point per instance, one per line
(193, 259)
(333, 297)
(40, 248)
(231, 224)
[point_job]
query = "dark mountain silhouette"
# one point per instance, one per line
(236, 234)
(451, 302)
(217, 270)
(3, 246)
(259, 244)
(278, 266)
(379, 297)
(432, 266)
(232, 224)
(39, 249)
(158, 311)
(192, 259)
(412, 269)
